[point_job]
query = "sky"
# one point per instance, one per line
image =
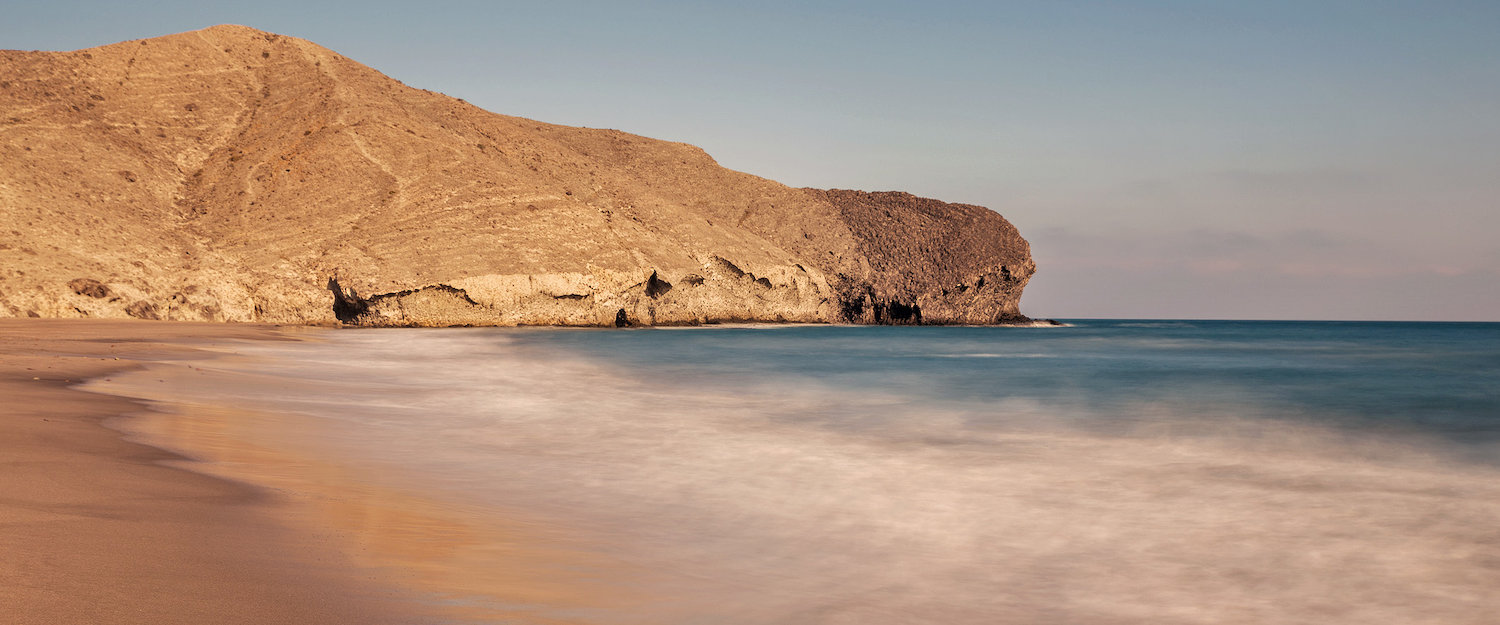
(1193, 159)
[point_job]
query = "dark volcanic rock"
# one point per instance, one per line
(931, 262)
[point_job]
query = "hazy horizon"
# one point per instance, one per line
(1335, 160)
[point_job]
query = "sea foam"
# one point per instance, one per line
(739, 496)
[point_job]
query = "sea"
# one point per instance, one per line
(1102, 471)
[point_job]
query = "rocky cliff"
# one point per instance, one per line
(230, 174)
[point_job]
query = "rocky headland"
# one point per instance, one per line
(230, 174)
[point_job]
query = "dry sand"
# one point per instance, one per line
(97, 529)
(258, 526)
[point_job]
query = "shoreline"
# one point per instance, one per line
(474, 477)
(101, 528)
(468, 562)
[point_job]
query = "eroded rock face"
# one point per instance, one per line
(90, 287)
(931, 262)
(234, 175)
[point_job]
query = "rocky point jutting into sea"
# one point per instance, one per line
(230, 174)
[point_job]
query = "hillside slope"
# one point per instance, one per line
(230, 174)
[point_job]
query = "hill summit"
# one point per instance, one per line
(230, 174)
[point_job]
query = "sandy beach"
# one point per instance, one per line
(261, 474)
(108, 522)
(98, 529)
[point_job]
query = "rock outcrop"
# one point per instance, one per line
(230, 174)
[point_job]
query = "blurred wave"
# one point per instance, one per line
(1212, 472)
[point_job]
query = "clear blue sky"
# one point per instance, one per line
(1295, 160)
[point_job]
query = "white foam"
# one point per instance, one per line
(772, 503)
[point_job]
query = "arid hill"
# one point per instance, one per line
(230, 174)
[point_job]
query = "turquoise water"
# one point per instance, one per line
(1105, 472)
(1441, 379)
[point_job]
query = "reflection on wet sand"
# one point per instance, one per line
(477, 563)
(524, 486)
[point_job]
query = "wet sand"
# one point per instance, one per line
(105, 521)
(405, 480)
(97, 529)
(724, 507)
(471, 562)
